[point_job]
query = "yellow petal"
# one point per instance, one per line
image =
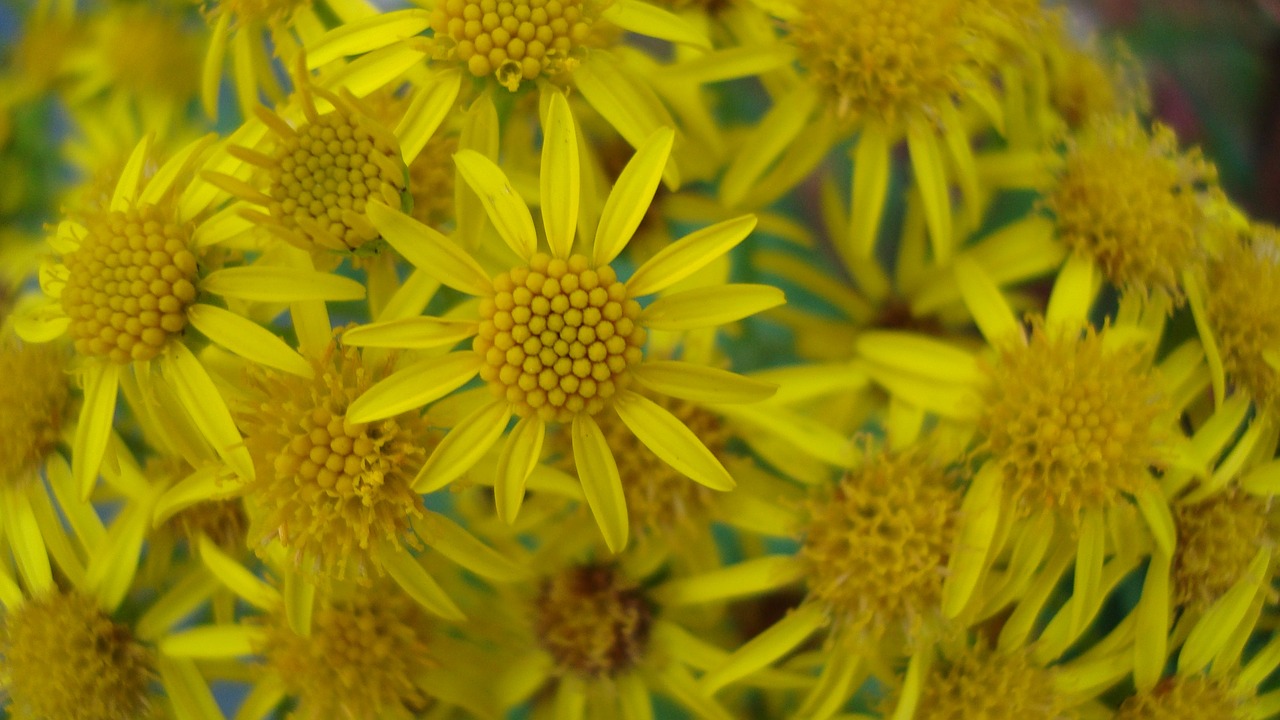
(777, 131)
(174, 168)
(631, 196)
(126, 191)
(204, 484)
(1195, 299)
(299, 602)
(570, 699)
(1073, 292)
(178, 602)
(625, 102)
(919, 355)
(1090, 559)
(710, 306)
(909, 699)
(1155, 510)
(1223, 617)
(480, 133)
(744, 579)
(374, 70)
(633, 698)
(413, 333)
(430, 251)
(931, 180)
(803, 432)
(451, 540)
(503, 205)
(601, 482)
(833, 688)
(733, 63)
(186, 689)
(215, 642)
(871, 170)
(432, 103)
(671, 440)
(101, 384)
(247, 339)
(518, 457)
(675, 681)
(1152, 624)
(418, 583)
(465, 444)
(41, 324)
(645, 19)
(25, 540)
(81, 516)
(202, 401)
(701, 383)
(52, 527)
(237, 577)
(211, 71)
(415, 386)
(267, 693)
(784, 636)
(980, 514)
(689, 254)
(990, 310)
(559, 180)
(365, 35)
(279, 284)
(113, 565)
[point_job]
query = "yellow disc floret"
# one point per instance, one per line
(1071, 421)
(1217, 539)
(62, 659)
(363, 659)
(558, 336)
(982, 684)
(886, 59)
(592, 621)
(1131, 201)
(876, 546)
(35, 398)
(334, 491)
(129, 283)
(1244, 311)
(1188, 698)
(513, 40)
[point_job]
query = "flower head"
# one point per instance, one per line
(1243, 312)
(1188, 697)
(37, 404)
(592, 621)
(1217, 541)
(980, 683)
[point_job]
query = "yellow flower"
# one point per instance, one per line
(559, 338)
(129, 282)
(1241, 292)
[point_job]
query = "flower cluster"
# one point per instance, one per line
(623, 359)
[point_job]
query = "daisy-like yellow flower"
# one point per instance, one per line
(560, 337)
(1242, 290)
(129, 282)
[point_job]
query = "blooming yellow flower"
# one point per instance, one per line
(560, 337)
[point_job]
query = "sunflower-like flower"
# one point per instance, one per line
(560, 337)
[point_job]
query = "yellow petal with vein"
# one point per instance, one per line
(671, 440)
(365, 35)
(559, 181)
(454, 542)
(744, 579)
(431, 104)
(710, 306)
(415, 580)
(430, 251)
(414, 333)
(237, 577)
(701, 383)
(463, 447)
(869, 189)
(202, 401)
(101, 384)
(186, 689)
(247, 339)
(25, 540)
(989, 308)
(126, 191)
(601, 483)
(762, 650)
(279, 284)
(113, 565)
(516, 461)
(646, 19)
(688, 255)
(503, 205)
(415, 386)
(631, 196)
(1152, 624)
(980, 514)
(215, 642)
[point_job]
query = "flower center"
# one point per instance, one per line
(1188, 698)
(431, 181)
(1071, 422)
(129, 284)
(333, 489)
(877, 545)
(984, 685)
(1128, 200)
(362, 659)
(883, 58)
(592, 621)
(35, 399)
(1244, 310)
(324, 173)
(62, 659)
(557, 337)
(513, 40)
(1217, 539)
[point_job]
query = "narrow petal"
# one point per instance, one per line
(451, 540)
(777, 131)
(207, 483)
(626, 103)
(1088, 573)
(374, 70)
(570, 699)
(299, 602)
(211, 71)
(710, 306)
(101, 384)
(126, 191)
(430, 251)
(202, 401)
(688, 255)
(675, 681)
(215, 642)
(25, 541)
(113, 565)
(279, 284)
(415, 580)
(41, 324)
(463, 446)
(10, 593)
(267, 693)
(919, 355)
(247, 339)
(631, 196)
(931, 180)
(701, 383)
(1196, 299)
(980, 514)
(633, 698)
(559, 180)
(518, 457)
(81, 516)
(365, 35)
(646, 19)
(1223, 617)
(480, 133)
(186, 689)
(431, 104)
(415, 386)
(833, 688)
(803, 432)
(601, 482)
(1155, 510)
(871, 170)
(1152, 624)
(744, 579)
(174, 168)
(503, 205)
(960, 149)
(414, 333)
(1073, 292)
(239, 579)
(733, 63)
(67, 556)
(784, 636)
(989, 308)
(909, 699)
(671, 440)
(178, 602)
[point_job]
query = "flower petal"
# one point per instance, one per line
(1223, 617)
(431, 104)
(710, 306)
(646, 19)
(625, 102)
(671, 440)
(415, 386)
(239, 579)
(631, 196)
(101, 384)
(179, 601)
(415, 580)
(430, 251)
(701, 383)
(744, 579)
(463, 447)
(762, 650)
(518, 457)
(559, 180)
(186, 688)
(451, 540)
(113, 564)
(279, 284)
(777, 131)
(197, 393)
(214, 642)
(247, 339)
(1073, 292)
(1152, 624)
(267, 693)
(365, 35)
(413, 333)
(299, 602)
(989, 308)
(25, 541)
(931, 181)
(503, 205)
(126, 190)
(688, 255)
(871, 171)
(601, 482)
(980, 513)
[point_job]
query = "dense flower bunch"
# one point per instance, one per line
(622, 359)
